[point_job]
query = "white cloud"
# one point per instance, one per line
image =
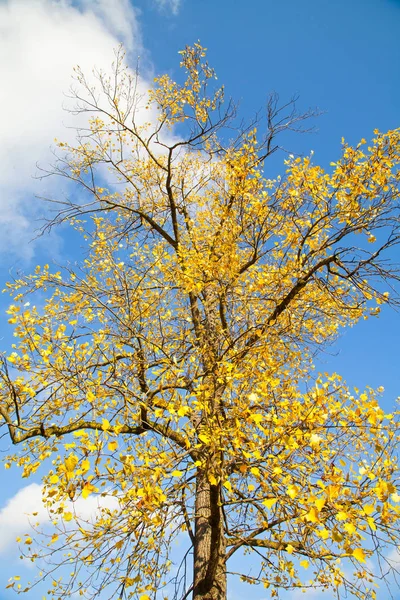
(119, 17)
(40, 42)
(16, 517)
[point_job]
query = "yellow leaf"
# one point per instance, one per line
(90, 396)
(204, 438)
(350, 528)
(269, 502)
(54, 479)
(292, 491)
(332, 491)
(312, 515)
(176, 473)
(79, 433)
(358, 554)
(144, 597)
(85, 465)
(212, 479)
(337, 536)
(369, 509)
(320, 503)
(315, 439)
(255, 471)
(105, 425)
(28, 541)
(257, 418)
(289, 549)
(112, 446)
(324, 533)
(70, 462)
(87, 490)
(304, 563)
(228, 486)
(342, 516)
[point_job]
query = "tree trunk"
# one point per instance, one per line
(209, 578)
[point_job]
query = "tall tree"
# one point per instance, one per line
(171, 373)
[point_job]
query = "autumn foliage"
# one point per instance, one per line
(171, 374)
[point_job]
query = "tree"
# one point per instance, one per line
(171, 373)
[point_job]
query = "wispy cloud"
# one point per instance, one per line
(171, 5)
(394, 557)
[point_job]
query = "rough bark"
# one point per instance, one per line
(209, 578)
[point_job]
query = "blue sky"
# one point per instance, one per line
(342, 57)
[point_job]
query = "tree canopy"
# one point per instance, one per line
(170, 372)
